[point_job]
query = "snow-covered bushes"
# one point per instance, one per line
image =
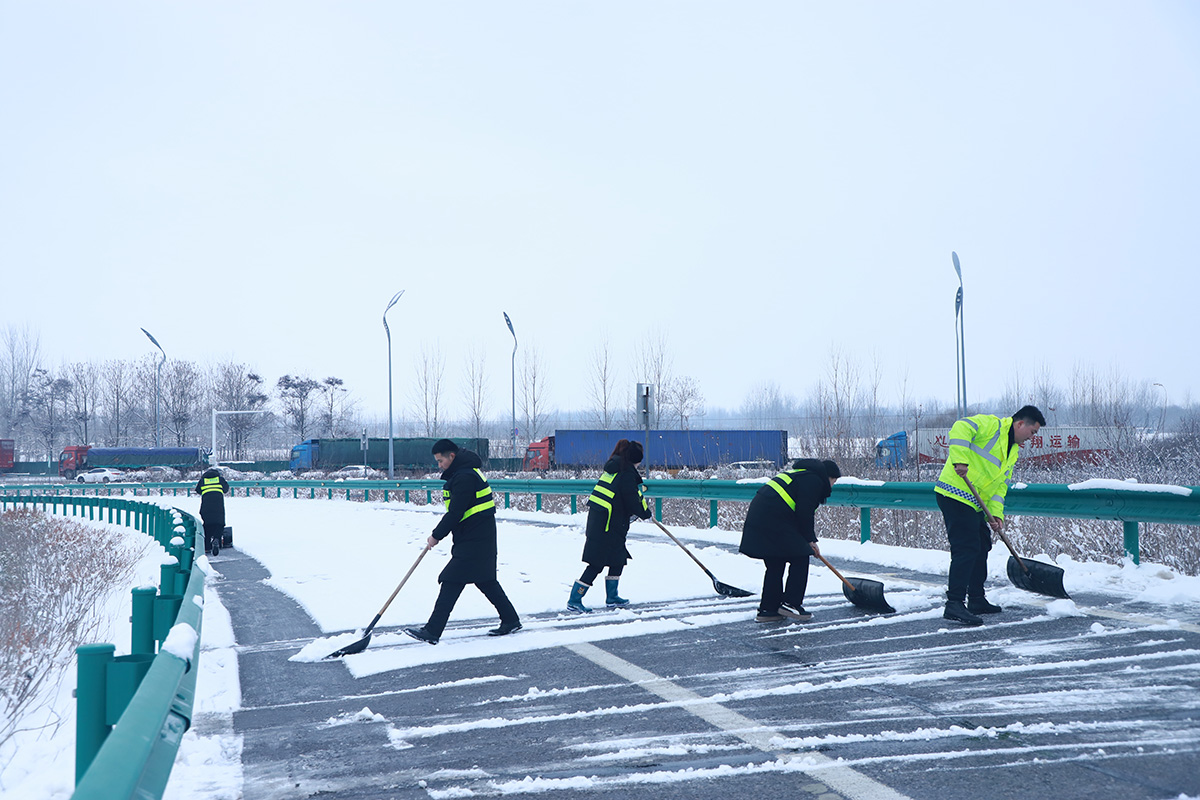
(54, 574)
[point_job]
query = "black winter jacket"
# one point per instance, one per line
(212, 503)
(773, 529)
(473, 554)
(605, 545)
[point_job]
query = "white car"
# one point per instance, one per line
(356, 472)
(99, 475)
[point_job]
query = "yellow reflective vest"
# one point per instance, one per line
(980, 442)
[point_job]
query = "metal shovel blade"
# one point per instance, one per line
(729, 591)
(352, 648)
(867, 595)
(1041, 578)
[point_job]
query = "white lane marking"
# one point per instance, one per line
(847, 782)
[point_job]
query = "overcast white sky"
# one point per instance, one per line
(757, 181)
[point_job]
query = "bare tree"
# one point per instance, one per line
(296, 399)
(115, 383)
(475, 389)
(653, 363)
(84, 398)
(19, 359)
(430, 369)
(532, 393)
(181, 398)
(683, 400)
(333, 405)
(48, 410)
(602, 386)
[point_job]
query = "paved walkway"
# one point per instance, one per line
(848, 706)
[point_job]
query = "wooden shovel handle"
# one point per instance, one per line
(1000, 528)
(663, 528)
(849, 585)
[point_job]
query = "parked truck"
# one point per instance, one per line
(892, 452)
(8, 449)
(80, 458)
(410, 455)
(672, 450)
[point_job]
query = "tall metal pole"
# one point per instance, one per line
(391, 443)
(960, 340)
(157, 378)
(514, 383)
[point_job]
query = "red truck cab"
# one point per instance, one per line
(72, 461)
(8, 449)
(539, 455)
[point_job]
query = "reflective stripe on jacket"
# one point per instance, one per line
(980, 442)
(212, 484)
(483, 498)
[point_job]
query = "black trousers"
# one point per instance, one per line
(970, 541)
(775, 592)
(449, 594)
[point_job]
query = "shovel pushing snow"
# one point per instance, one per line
(722, 588)
(361, 644)
(1032, 576)
(863, 592)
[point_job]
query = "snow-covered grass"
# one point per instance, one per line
(340, 560)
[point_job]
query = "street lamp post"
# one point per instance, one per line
(391, 444)
(157, 378)
(514, 383)
(960, 342)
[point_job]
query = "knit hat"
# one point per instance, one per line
(831, 469)
(634, 453)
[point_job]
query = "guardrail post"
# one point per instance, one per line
(712, 513)
(123, 677)
(1132, 548)
(166, 609)
(507, 500)
(864, 525)
(90, 727)
(142, 620)
(537, 498)
(658, 508)
(572, 504)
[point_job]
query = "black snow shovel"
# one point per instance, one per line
(863, 592)
(722, 588)
(1032, 576)
(361, 644)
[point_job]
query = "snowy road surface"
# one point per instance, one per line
(682, 695)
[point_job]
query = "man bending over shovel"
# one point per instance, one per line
(983, 448)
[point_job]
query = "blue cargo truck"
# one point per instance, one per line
(410, 455)
(577, 449)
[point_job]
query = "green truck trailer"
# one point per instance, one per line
(410, 455)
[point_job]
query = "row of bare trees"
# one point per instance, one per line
(842, 414)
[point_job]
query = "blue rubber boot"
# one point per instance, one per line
(576, 602)
(613, 600)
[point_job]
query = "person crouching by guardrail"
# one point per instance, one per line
(780, 529)
(212, 488)
(616, 498)
(471, 517)
(983, 448)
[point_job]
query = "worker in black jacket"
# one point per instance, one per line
(471, 517)
(780, 530)
(616, 497)
(212, 488)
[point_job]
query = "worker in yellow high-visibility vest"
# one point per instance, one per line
(212, 488)
(983, 449)
(471, 517)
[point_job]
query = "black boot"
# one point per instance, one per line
(980, 605)
(506, 628)
(422, 635)
(956, 611)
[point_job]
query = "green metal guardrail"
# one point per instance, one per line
(132, 711)
(1130, 507)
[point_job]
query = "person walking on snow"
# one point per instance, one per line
(616, 497)
(212, 488)
(471, 517)
(984, 449)
(780, 529)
